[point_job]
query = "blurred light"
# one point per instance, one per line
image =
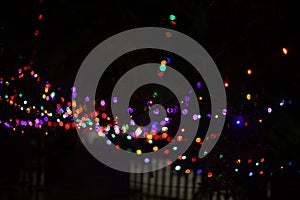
(163, 62)
(172, 17)
(195, 117)
(285, 51)
(249, 97)
(224, 111)
(213, 136)
(185, 112)
(130, 110)
(173, 22)
(36, 33)
(115, 99)
(179, 138)
(129, 150)
(269, 110)
(199, 84)
(138, 151)
(168, 60)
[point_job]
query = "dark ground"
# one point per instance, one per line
(70, 172)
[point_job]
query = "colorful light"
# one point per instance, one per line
(269, 110)
(199, 85)
(172, 17)
(162, 68)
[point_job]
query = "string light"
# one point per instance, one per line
(62, 116)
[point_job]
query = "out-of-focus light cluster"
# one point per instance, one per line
(56, 111)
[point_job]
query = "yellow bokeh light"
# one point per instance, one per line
(149, 137)
(164, 62)
(138, 151)
(249, 97)
(100, 134)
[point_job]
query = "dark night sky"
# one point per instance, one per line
(237, 34)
